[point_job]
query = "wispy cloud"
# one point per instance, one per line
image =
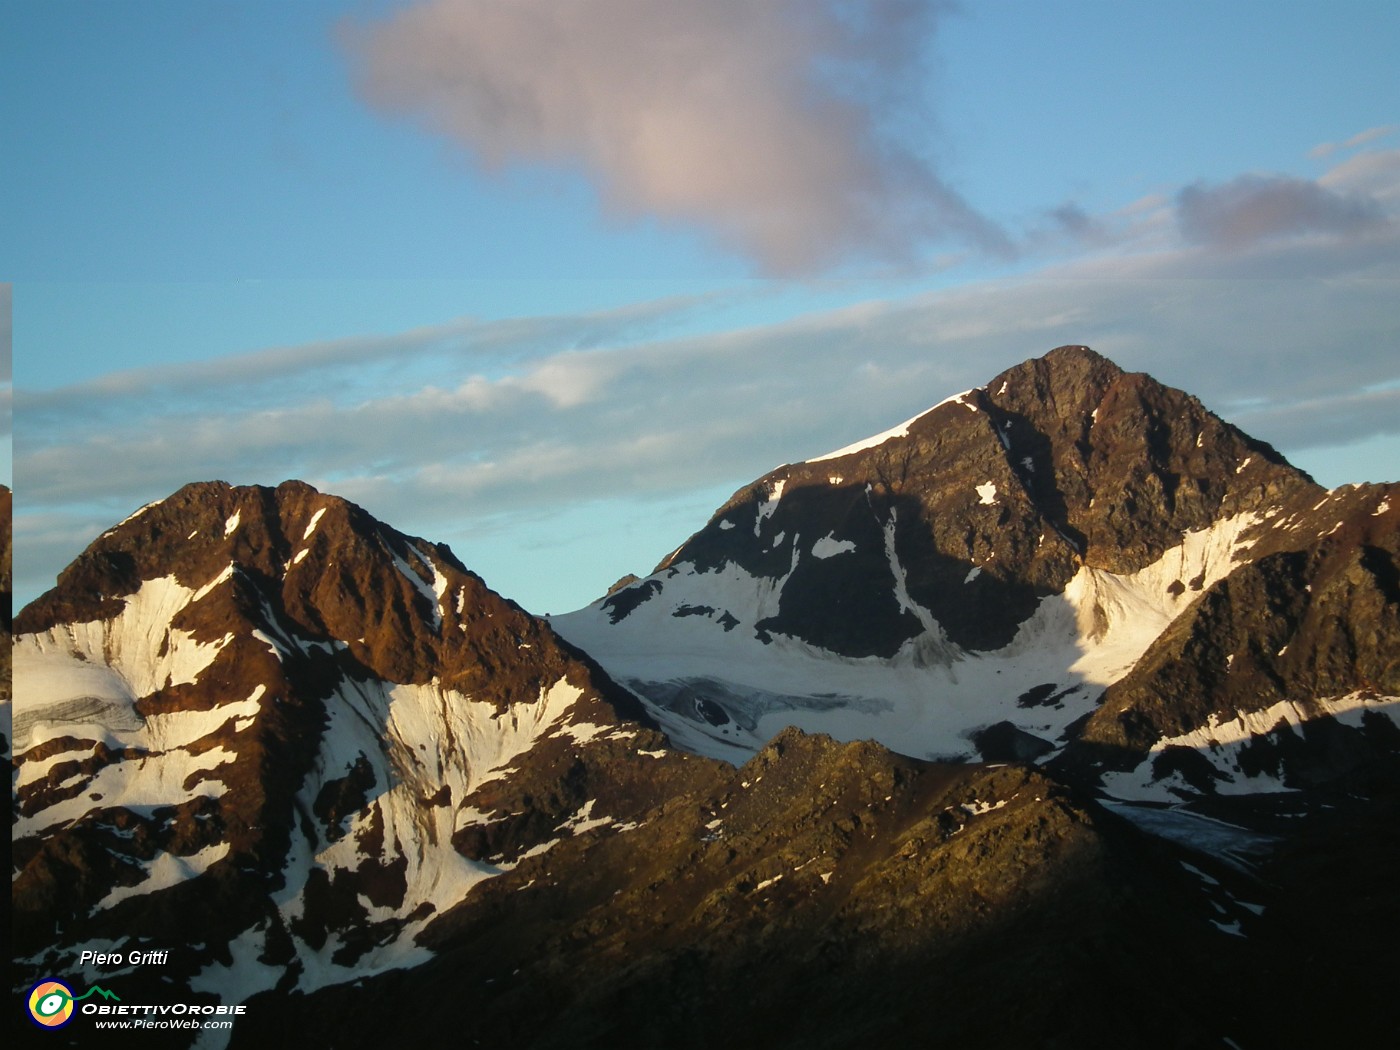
(1324, 150)
(346, 371)
(449, 429)
(769, 125)
(1253, 208)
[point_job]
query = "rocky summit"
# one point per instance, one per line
(1062, 715)
(998, 577)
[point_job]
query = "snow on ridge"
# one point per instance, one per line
(311, 526)
(437, 738)
(113, 661)
(1246, 724)
(133, 516)
(895, 432)
(1221, 744)
(433, 591)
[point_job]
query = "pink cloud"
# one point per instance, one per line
(765, 124)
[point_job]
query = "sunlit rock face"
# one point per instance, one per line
(265, 715)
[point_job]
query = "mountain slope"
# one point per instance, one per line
(263, 714)
(1284, 674)
(822, 895)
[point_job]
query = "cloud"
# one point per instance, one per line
(667, 415)
(452, 430)
(1325, 422)
(1362, 138)
(778, 127)
(350, 370)
(1374, 173)
(1253, 208)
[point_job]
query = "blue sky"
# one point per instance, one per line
(549, 281)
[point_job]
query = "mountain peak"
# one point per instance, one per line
(948, 537)
(244, 690)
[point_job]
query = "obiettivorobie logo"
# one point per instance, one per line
(51, 1002)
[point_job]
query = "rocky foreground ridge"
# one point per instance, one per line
(1132, 677)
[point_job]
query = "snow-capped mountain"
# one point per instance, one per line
(970, 584)
(266, 715)
(349, 787)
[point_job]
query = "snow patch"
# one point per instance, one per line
(769, 505)
(987, 493)
(166, 870)
(584, 820)
(976, 808)
(311, 526)
(432, 590)
(583, 732)
(231, 526)
(828, 546)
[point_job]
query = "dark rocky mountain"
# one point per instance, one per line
(821, 895)
(1073, 561)
(1121, 767)
(1059, 463)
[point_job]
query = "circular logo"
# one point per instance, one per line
(51, 1004)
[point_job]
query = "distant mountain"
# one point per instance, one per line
(1031, 569)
